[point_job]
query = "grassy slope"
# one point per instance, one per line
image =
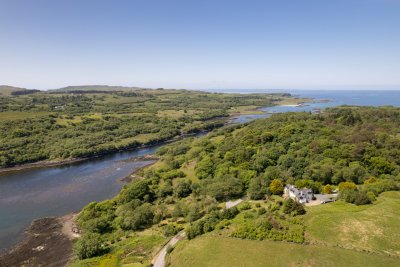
(372, 227)
(339, 234)
(6, 90)
(132, 251)
(20, 115)
(211, 251)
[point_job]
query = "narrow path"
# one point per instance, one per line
(230, 204)
(159, 259)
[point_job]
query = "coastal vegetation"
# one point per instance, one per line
(86, 121)
(351, 149)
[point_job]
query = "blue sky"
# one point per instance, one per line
(305, 44)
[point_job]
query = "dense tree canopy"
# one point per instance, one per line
(78, 123)
(355, 150)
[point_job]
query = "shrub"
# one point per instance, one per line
(381, 186)
(348, 195)
(169, 249)
(182, 189)
(370, 180)
(371, 196)
(229, 213)
(261, 211)
(264, 224)
(293, 207)
(327, 189)
(89, 245)
(362, 198)
(245, 206)
(276, 187)
(347, 186)
(357, 197)
(171, 229)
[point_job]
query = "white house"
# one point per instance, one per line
(302, 196)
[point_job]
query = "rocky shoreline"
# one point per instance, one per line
(48, 243)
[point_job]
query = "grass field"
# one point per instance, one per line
(371, 227)
(214, 251)
(132, 251)
(337, 234)
(18, 115)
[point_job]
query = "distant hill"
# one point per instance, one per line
(96, 88)
(7, 90)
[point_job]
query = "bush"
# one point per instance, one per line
(194, 230)
(245, 206)
(371, 196)
(381, 186)
(229, 213)
(347, 186)
(293, 207)
(362, 198)
(171, 230)
(327, 189)
(183, 189)
(261, 211)
(89, 245)
(169, 249)
(357, 197)
(276, 187)
(348, 195)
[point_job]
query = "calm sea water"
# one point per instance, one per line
(55, 191)
(335, 97)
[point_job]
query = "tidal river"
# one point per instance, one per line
(54, 191)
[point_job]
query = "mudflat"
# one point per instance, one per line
(47, 244)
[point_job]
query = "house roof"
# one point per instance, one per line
(298, 192)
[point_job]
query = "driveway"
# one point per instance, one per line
(159, 259)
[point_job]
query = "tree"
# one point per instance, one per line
(276, 187)
(137, 190)
(293, 207)
(204, 168)
(380, 165)
(183, 189)
(89, 245)
(140, 218)
(257, 188)
(223, 188)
